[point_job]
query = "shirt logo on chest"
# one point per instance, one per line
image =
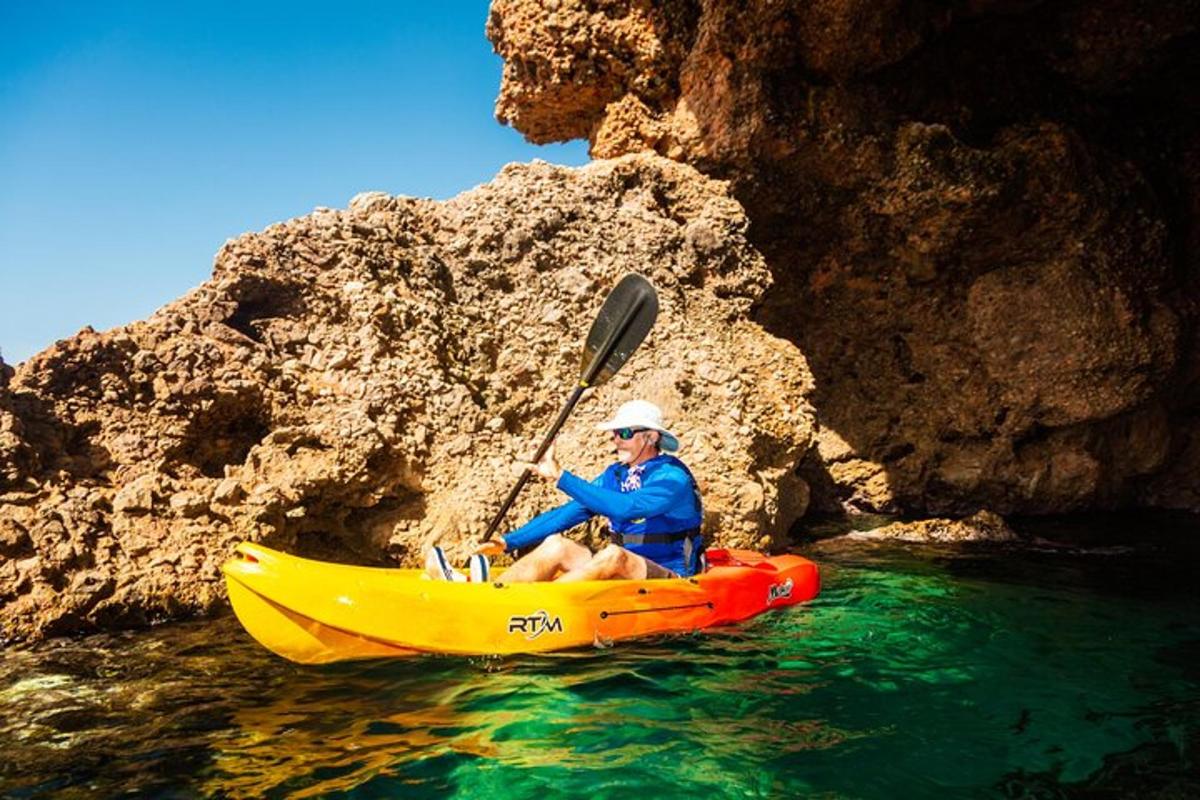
(633, 480)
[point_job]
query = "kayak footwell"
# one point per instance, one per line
(315, 612)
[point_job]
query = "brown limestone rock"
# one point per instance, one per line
(983, 526)
(980, 218)
(355, 385)
(571, 59)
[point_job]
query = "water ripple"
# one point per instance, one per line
(906, 677)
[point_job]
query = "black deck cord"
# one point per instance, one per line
(607, 614)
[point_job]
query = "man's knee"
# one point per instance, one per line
(614, 558)
(562, 550)
(555, 543)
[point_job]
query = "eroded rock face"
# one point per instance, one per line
(355, 384)
(982, 526)
(980, 217)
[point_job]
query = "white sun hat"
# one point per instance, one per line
(642, 414)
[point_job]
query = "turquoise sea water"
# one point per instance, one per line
(929, 674)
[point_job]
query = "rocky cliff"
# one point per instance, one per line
(916, 257)
(355, 385)
(981, 218)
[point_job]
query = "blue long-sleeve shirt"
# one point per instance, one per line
(644, 504)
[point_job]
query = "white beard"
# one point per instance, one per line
(624, 456)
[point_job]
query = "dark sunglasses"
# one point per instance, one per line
(625, 434)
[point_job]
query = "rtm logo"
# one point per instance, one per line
(535, 625)
(779, 591)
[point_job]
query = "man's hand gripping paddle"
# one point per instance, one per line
(623, 322)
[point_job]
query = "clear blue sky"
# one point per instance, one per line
(136, 137)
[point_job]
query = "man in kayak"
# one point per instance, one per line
(649, 496)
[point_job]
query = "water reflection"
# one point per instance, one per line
(909, 676)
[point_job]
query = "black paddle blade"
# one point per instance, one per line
(623, 322)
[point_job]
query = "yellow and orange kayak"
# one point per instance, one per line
(315, 612)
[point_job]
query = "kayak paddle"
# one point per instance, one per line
(626, 317)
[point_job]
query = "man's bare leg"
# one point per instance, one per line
(615, 562)
(553, 554)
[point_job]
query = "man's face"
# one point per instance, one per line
(630, 443)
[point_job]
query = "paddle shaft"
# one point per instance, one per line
(593, 369)
(541, 451)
